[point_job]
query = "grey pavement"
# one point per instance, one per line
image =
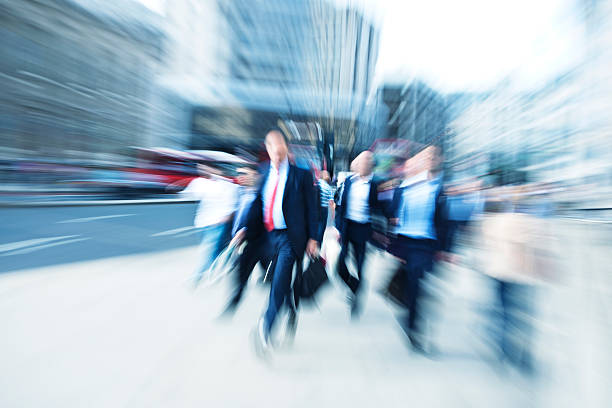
(127, 330)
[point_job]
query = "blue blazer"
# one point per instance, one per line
(300, 209)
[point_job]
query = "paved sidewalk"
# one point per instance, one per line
(130, 332)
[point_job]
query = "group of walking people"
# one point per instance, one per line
(283, 213)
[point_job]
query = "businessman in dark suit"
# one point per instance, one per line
(285, 211)
(358, 201)
(418, 214)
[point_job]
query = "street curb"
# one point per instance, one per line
(83, 203)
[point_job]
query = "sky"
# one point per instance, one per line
(470, 45)
(157, 6)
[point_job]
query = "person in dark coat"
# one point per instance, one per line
(357, 203)
(417, 212)
(285, 211)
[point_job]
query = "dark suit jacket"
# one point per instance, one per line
(300, 209)
(373, 202)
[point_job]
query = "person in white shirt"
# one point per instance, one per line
(218, 199)
(357, 201)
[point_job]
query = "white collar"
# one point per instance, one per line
(358, 178)
(283, 166)
(419, 178)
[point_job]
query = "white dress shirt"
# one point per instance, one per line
(326, 193)
(218, 199)
(358, 200)
(277, 211)
(417, 209)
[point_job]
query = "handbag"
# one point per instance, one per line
(313, 278)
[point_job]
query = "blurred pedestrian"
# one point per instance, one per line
(255, 249)
(217, 198)
(516, 256)
(285, 211)
(357, 202)
(418, 214)
(326, 204)
(464, 203)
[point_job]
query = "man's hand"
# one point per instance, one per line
(447, 257)
(312, 248)
(239, 237)
(394, 221)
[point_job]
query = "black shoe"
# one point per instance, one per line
(291, 328)
(229, 311)
(356, 308)
(416, 344)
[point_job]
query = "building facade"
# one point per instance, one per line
(76, 78)
(303, 61)
(417, 113)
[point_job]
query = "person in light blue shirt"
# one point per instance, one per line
(418, 215)
(326, 196)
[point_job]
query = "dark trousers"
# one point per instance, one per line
(417, 255)
(323, 211)
(255, 251)
(357, 235)
(453, 229)
(280, 292)
(412, 294)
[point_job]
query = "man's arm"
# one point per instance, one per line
(441, 222)
(312, 209)
(391, 208)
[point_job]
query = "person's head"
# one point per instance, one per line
(276, 146)
(364, 163)
(353, 166)
(410, 167)
(427, 159)
(324, 175)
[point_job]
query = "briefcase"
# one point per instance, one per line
(396, 288)
(313, 278)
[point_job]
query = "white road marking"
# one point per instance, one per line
(190, 230)
(102, 217)
(39, 247)
(31, 242)
(184, 234)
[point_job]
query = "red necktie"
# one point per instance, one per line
(269, 219)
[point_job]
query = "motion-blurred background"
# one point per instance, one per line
(99, 96)
(108, 108)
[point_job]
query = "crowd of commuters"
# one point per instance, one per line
(280, 215)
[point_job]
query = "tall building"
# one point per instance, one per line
(301, 60)
(557, 132)
(417, 113)
(76, 77)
